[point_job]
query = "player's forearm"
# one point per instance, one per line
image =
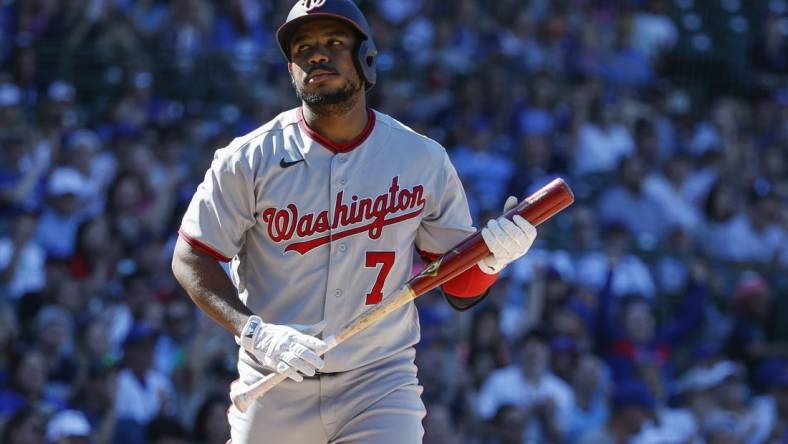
(209, 287)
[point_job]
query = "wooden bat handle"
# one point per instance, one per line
(537, 208)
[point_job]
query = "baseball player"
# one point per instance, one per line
(318, 212)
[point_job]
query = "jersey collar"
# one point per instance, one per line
(337, 147)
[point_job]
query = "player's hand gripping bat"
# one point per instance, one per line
(537, 208)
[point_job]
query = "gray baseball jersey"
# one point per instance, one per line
(319, 231)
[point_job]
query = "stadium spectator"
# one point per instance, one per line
(61, 217)
(96, 400)
(164, 430)
(602, 140)
(591, 409)
(628, 334)
(752, 337)
(69, 427)
(630, 203)
(632, 407)
(27, 386)
(616, 261)
(145, 392)
(22, 170)
(507, 426)
(22, 258)
(54, 337)
(543, 398)
(26, 426)
(210, 423)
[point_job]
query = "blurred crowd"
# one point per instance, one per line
(655, 310)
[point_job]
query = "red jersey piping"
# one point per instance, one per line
(337, 147)
(202, 247)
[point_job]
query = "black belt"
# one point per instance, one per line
(318, 375)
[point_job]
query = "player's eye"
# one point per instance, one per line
(336, 43)
(302, 48)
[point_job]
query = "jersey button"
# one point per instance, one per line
(338, 292)
(342, 181)
(342, 248)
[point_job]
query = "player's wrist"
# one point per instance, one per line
(253, 324)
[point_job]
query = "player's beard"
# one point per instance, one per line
(333, 103)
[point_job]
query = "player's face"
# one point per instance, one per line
(322, 65)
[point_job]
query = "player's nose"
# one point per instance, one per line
(318, 56)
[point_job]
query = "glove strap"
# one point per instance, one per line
(247, 334)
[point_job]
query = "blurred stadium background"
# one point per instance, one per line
(654, 311)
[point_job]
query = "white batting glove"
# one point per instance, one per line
(284, 348)
(507, 240)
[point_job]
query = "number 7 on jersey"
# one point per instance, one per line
(386, 259)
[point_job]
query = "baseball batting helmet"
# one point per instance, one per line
(343, 10)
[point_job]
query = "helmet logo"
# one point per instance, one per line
(312, 4)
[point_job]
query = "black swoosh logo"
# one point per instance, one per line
(285, 164)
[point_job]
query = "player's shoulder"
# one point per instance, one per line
(256, 140)
(405, 137)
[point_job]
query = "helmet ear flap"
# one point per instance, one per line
(366, 61)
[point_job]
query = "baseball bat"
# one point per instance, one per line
(536, 208)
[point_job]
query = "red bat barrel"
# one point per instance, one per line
(536, 208)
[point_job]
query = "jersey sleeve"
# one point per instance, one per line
(222, 209)
(447, 220)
